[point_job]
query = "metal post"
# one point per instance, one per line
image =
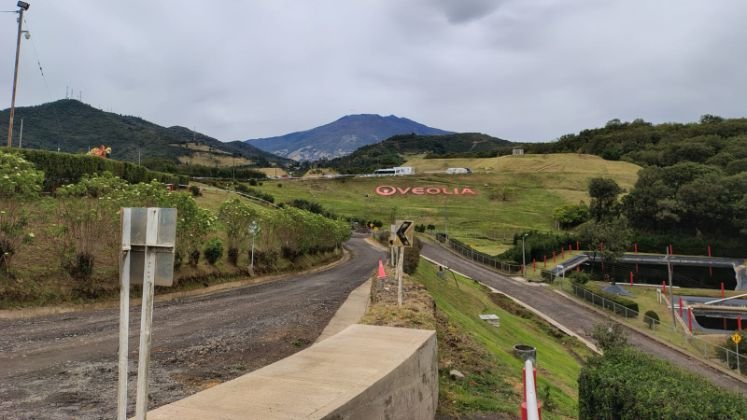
(671, 296)
(251, 265)
(146, 317)
(124, 314)
(21, 9)
(523, 255)
(400, 265)
(736, 348)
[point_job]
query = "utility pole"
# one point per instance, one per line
(20, 136)
(671, 297)
(22, 7)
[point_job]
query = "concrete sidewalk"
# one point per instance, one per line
(351, 311)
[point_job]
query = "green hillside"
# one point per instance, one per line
(71, 126)
(394, 151)
(513, 193)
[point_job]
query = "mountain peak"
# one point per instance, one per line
(341, 137)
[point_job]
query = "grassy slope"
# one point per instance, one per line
(558, 367)
(534, 186)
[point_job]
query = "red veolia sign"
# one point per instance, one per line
(388, 190)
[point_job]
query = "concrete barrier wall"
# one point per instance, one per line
(363, 372)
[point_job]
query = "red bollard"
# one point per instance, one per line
(690, 319)
(722, 290)
(635, 247)
(739, 323)
(544, 261)
(709, 251)
(680, 306)
(663, 286)
(631, 278)
(578, 248)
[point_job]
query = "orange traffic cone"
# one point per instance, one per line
(382, 273)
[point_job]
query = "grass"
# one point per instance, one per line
(484, 353)
(514, 193)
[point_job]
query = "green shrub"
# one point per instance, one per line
(213, 250)
(579, 277)
(627, 384)
(651, 319)
(731, 358)
(195, 190)
(412, 257)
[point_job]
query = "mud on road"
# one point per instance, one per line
(65, 366)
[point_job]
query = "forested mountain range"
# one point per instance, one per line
(392, 151)
(341, 137)
(68, 125)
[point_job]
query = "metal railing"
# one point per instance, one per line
(480, 257)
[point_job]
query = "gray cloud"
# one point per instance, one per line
(517, 69)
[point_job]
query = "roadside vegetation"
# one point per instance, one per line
(492, 385)
(626, 383)
(63, 246)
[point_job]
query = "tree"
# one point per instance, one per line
(236, 218)
(604, 192)
(20, 183)
(607, 241)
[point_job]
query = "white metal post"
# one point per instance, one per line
(124, 313)
(146, 317)
(400, 265)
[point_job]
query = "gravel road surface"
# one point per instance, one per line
(65, 366)
(572, 315)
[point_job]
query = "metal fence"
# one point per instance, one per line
(481, 258)
(709, 351)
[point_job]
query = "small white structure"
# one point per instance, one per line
(453, 171)
(397, 170)
(517, 151)
(491, 319)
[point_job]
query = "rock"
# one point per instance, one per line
(456, 375)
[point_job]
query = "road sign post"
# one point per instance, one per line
(148, 240)
(254, 231)
(404, 237)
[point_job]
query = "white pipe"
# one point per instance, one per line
(724, 299)
(531, 391)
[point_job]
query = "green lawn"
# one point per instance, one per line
(559, 357)
(514, 193)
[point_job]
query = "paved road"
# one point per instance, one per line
(574, 316)
(64, 366)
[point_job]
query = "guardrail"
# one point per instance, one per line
(698, 345)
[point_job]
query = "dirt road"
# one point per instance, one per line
(65, 366)
(572, 315)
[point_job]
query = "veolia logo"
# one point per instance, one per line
(388, 190)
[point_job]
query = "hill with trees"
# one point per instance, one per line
(71, 126)
(693, 185)
(393, 150)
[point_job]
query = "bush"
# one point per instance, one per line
(213, 251)
(420, 228)
(233, 256)
(626, 383)
(730, 356)
(651, 319)
(81, 267)
(579, 277)
(195, 190)
(610, 336)
(412, 257)
(264, 261)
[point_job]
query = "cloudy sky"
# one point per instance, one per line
(527, 70)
